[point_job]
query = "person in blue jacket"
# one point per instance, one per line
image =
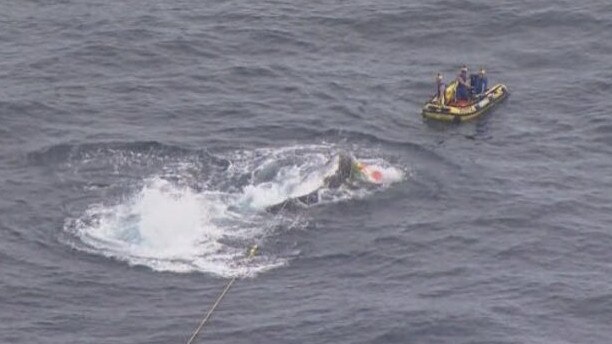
(463, 85)
(481, 82)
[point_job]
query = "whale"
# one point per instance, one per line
(345, 171)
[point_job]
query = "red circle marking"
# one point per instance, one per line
(377, 176)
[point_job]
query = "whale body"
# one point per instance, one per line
(342, 174)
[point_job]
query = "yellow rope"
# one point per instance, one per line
(252, 252)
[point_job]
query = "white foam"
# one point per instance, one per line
(289, 182)
(265, 194)
(169, 226)
(389, 174)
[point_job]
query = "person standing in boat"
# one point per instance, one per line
(481, 85)
(463, 85)
(440, 88)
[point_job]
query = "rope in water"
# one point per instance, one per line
(252, 252)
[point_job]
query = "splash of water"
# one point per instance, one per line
(170, 226)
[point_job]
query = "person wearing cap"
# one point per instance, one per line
(463, 85)
(440, 87)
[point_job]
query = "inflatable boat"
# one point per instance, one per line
(464, 110)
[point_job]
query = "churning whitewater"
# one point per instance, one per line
(195, 218)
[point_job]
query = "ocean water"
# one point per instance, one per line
(141, 141)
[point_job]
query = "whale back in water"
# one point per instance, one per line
(343, 172)
(340, 176)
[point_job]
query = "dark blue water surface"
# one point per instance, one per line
(140, 142)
